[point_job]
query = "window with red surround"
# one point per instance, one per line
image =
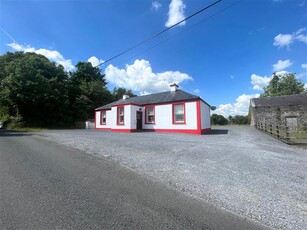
(103, 120)
(120, 115)
(150, 115)
(179, 113)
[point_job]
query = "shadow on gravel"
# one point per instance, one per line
(217, 132)
(12, 133)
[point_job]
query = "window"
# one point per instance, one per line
(103, 117)
(120, 115)
(291, 123)
(178, 114)
(150, 115)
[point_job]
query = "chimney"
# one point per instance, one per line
(174, 87)
(125, 97)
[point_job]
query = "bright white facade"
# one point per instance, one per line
(174, 111)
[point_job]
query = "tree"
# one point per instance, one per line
(119, 92)
(286, 84)
(218, 119)
(87, 91)
(33, 89)
(240, 120)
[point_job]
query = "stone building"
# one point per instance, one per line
(284, 111)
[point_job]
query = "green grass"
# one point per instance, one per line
(29, 129)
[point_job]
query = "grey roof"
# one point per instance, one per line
(295, 99)
(156, 98)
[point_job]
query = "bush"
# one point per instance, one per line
(218, 120)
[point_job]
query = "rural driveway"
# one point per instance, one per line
(44, 185)
(236, 168)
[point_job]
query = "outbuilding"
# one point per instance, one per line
(288, 111)
(171, 111)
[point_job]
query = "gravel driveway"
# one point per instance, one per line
(236, 168)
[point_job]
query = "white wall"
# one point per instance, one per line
(205, 115)
(164, 119)
(112, 118)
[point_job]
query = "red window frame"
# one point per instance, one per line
(117, 115)
(146, 117)
(173, 114)
(101, 121)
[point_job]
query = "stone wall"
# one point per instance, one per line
(276, 115)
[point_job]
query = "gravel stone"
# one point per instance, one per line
(236, 168)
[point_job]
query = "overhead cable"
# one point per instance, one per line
(161, 32)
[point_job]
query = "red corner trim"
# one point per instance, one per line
(198, 115)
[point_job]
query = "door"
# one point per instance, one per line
(139, 120)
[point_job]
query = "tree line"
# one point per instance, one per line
(279, 85)
(39, 93)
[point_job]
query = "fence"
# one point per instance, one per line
(286, 134)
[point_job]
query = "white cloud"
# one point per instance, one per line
(95, 61)
(286, 39)
(140, 77)
(281, 65)
(283, 40)
(240, 107)
(302, 38)
(196, 91)
(175, 13)
(304, 66)
(156, 5)
(281, 73)
(52, 55)
(259, 82)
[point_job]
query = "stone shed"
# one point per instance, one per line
(288, 111)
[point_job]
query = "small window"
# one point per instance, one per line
(103, 117)
(120, 115)
(178, 113)
(291, 123)
(150, 115)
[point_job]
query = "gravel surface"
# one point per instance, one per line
(236, 168)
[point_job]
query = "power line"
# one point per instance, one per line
(161, 32)
(183, 31)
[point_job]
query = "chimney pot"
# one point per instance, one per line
(174, 87)
(126, 96)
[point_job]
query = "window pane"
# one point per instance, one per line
(151, 118)
(150, 111)
(120, 115)
(179, 113)
(179, 117)
(178, 109)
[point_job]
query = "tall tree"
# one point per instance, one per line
(33, 88)
(119, 92)
(218, 119)
(286, 84)
(87, 91)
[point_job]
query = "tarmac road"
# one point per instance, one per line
(44, 185)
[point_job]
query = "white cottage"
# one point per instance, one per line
(172, 111)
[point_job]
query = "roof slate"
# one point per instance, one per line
(295, 99)
(156, 98)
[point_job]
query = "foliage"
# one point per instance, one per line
(239, 120)
(119, 92)
(286, 84)
(38, 93)
(218, 119)
(87, 91)
(33, 88)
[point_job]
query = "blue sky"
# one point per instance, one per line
(225, 54)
